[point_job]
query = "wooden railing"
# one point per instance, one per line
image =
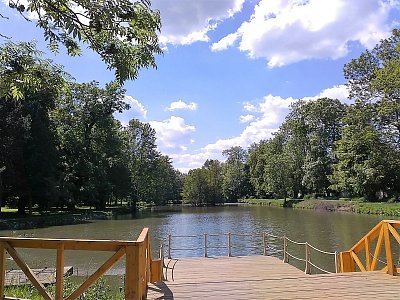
(139, 267)
(366, 254)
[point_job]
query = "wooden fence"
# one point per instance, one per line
(139, 267)
(361, 255)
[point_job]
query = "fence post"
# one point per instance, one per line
(205, 245)
(337, 262)
(308, 258)
(169, 246)
(229, 244)
(264, 243)
(285, 256)
(132, 273)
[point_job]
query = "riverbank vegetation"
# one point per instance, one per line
(325, 148)
(338, 205)
(100, 290)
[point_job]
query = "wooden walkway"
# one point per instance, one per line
(265, 277)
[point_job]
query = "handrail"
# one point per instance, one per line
(139, 267)
(384, 232)
(229, 246)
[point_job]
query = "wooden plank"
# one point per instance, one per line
(394, 232)
(367, 253)
(268, 278)
(2, 269)
(60, 273)
(96, 275)
(347, 262)
(28, 272)
(69, 244)
(377, 251)
(156, 270)
(388, 249)
(372, 234)
(132, 285)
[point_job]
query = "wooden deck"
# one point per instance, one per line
(265, 277)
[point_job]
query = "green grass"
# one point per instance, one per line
(99, 291)
(354, 205)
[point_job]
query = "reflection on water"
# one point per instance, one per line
(326, 230)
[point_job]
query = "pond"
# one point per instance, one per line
(329, 231)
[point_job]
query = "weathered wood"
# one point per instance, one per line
(96, 275)
(2, 269)
(28, 272)
(60, 272)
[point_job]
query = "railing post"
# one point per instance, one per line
(264, 243)
(169, 246)
(229, 244)
(132, 273)
(308, 259)
(205, 245)
(337, 269)
(60, 272)
(285, 256)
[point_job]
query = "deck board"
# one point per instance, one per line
(265, 277)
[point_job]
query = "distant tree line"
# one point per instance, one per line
(60, 145)
(324, 148)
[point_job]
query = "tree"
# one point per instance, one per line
(236, 182)
(28, 155)
(144, 161)
(122, 32)
(367, 166)
(196, 189)
(88, 140)
(215, 178)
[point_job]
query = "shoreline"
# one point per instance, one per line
(354, 206)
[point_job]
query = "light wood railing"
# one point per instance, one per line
(366, 254)
(139, 266)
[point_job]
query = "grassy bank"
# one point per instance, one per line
(356, 206)
(101, 290)
(11, 220)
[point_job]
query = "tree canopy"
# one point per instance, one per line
(122, 32)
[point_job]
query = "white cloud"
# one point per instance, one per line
(182, 105)
(225, 42)
(173, 135)
(288, 31)
(246, 118)
(339, 92)
(187, 21)
(136, 111)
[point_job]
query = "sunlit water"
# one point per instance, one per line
(326, 230)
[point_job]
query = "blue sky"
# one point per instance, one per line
(231, 68)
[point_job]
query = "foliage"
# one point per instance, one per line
(235, 183)
(100, 290)
(203, 186)
(122, 32)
